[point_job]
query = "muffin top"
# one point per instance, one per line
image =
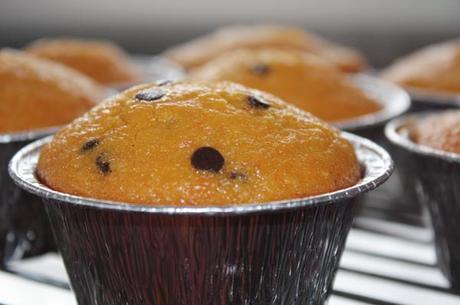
(192, 144)
(433, 68)
(305, 80)
(439, 131)
(37, 93)
(198, 51)
(103, 61)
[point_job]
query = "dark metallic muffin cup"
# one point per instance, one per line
(434, 176)
(283, 252)
(423, 100)
(24, 227)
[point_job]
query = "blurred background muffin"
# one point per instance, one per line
(440, 131)
(103, 61)
(37, 93)
(435, 68)
(304, 80)
(197, 52)
(207, 139)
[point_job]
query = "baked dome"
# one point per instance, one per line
(103, 61)
(192, 143)
(37, 93)
(304, 80)
(439, 131)
(434, 68)
(200, 50)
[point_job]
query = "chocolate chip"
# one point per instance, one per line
(103, 164)
(207, 158)
(257, 103)
(150, 95)
(163, 82)
(90, 144)
(260, 69)
(235, 175)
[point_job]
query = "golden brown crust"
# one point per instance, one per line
(103, 61)
(434, 68)
(196, 52)
(304, 80)
(440, 131)
(37, 93)
(157, 145)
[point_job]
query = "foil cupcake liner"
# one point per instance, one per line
(283, 252)
(24, 227)
(434, 178)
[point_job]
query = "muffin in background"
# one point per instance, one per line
(427, 151)
(198, 51)
(101, 60)
(435, 68)
(37, 93)
(192, 143)
(440, 131)
(304, 80)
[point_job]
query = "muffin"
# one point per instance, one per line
(191, 143)
(434, 68)
(427, 151)
(102, 61)
(304, 80)
(199, 51)
(37, 93)
(440, 131)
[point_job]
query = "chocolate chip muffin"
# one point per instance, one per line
(434, 68)
(305, 80)
(439, 131)
(103, 61)
(199, 51)
(191, 143)
(37, 93)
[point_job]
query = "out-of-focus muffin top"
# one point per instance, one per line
(103, 61)
(305, 80)
(440, 131)
(434, 68)
(37, 93)
(197, 144)
(200, 50)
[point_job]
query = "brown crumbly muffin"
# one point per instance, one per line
(37, 93)
(103, 61)
(200, 50)
(440, 131)
(197, 144)
(434, 68)
(304, 80)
